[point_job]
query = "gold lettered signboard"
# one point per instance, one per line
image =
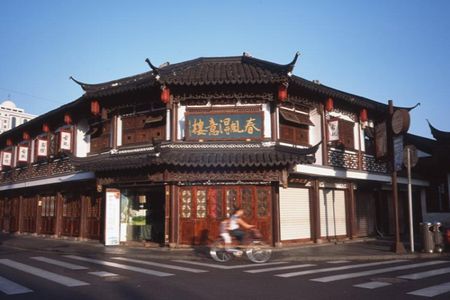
(224, 126)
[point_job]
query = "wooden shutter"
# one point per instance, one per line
(295, 220)
(346, 134)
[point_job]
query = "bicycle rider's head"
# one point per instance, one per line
(238, 211)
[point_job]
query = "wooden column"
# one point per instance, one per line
(38, 215)
(173, 122)
(315, 212)
(20, 215)
(276, 215)
(351, 211)
(172, 195)
(58, 212)
(274, 121)
(83, 217)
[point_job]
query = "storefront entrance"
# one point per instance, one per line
(142, 215)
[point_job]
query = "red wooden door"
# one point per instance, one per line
(29, 214)
(71, 216)
(11, 215)
(203, 208)
(93, 216)
(48, 214)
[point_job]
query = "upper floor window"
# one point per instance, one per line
(340, 133)
(13, 122)
(143, 128)
(294, 127)
(100, 136)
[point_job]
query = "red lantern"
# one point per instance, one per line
(25, 136)
(9, 142)
(329, 105)
(165, 94)
(45, 127)
(282, 92)
(95, 108)
(67, 119)
(363, 115)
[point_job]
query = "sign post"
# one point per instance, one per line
(410, 152)
(398, 124)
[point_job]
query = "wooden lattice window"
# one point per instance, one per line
(71, 206)
(48, 206)
(215, 203)
(231, 200)
(247, 202)
(263, 200)
(186, 203)
(201, 204)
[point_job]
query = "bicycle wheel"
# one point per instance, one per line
(218, 251)
(258, 252)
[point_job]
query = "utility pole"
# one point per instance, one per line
(397, 246)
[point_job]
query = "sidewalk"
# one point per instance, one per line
(369, 249)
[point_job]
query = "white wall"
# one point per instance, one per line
(82, 140)
(315, 134)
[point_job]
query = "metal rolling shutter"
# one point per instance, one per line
(333, 220)
(294, 214)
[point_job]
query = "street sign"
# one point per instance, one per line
(381, 140)
(400, 121)
(398, 152)
(412, 155)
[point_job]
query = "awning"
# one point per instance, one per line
(295, 117)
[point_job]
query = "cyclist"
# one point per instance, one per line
(235, 224)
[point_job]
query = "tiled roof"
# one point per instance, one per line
(200, 155)
(441, 136)
(222, 70)
(201, 71)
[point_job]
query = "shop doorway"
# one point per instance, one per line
(142, 215)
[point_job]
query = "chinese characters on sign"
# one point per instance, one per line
(42, 148)
(66, 140)
(6, 159)
(23, 154)
(224, 126)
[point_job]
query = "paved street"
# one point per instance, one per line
(80, 271)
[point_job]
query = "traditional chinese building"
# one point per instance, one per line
(163, 157)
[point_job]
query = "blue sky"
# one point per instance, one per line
(382, 50)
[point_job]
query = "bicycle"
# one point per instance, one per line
(255, 249)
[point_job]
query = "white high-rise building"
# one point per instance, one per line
(11, 116)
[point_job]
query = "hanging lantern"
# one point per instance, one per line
(25, 136)
(67, 119)
(329, 105)
(165, 94)
(282, 92)
(363, 115)
(9, 142)
(95, 107)
(45, 127)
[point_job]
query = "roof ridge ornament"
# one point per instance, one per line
(291, 65)
(154, 68)
(82, 84)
